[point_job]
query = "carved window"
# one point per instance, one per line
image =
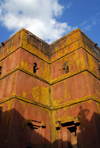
(35, 67)
(65, 67)
(99, 66)
(72, 130)
(0, 69)
(35, 131)
(67, 131)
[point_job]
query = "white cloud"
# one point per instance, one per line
(96, 19)
(83, 23)
(85, 26)
(68, 5)
(38, 16)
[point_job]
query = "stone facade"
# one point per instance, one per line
(49, 94)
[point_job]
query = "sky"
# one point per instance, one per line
(50, 19)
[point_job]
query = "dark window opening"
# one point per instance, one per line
(35, 67)
(67, 123)
(99, 67)
(66, 67)
(72, 128)
(0, 69)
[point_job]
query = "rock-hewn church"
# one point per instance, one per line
(49, 94)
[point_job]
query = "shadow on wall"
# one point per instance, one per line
(17, 132)
(86, 135)
(64, 144)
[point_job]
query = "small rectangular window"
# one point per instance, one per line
(0, 69)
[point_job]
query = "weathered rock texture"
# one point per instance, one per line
(49, 94)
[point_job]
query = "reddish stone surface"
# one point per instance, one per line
(43, 102)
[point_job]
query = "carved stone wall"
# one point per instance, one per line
(49, 94)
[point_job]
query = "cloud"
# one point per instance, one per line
(85, 26)
(96, 19)
(68, 5)
(38, 16)
(83, 23)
